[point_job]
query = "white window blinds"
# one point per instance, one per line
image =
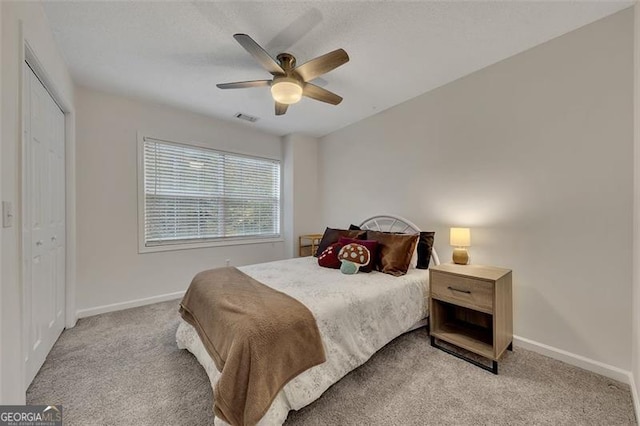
(194, 194)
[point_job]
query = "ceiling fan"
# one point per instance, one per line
(290, 83)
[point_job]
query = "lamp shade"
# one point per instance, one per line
(286, 90)
(460, 237)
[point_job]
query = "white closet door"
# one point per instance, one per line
(43, 223)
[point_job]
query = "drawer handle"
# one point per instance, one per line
(458, 290)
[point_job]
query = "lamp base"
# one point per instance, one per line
(460, 256)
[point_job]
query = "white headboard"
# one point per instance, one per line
(391, 223)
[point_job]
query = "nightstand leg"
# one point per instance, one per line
(494, 364)
(510, 347)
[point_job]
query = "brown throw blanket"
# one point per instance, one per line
(259, 339)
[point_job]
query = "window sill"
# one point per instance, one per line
(209, 244)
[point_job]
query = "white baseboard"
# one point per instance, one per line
(574, 359)
(634, 396)
(82, 313)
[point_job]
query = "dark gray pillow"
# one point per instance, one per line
(332, 235)
(425, 247)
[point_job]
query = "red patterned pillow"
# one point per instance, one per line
(329, 257)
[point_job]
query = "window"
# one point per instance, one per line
(195, 195)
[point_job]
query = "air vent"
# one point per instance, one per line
(245, 117)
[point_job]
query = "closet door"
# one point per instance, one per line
(43, 223)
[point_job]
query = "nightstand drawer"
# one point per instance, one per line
(468, 292)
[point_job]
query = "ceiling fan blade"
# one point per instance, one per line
(319, 94)
(244, 84)
(259, 54)
(281, 109)
(322, 64)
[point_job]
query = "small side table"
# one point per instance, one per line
(471, 307)
(308, 244)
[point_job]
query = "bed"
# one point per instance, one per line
(356, 315)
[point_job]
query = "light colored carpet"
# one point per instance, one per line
(123, 368)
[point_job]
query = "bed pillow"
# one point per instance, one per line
(425, 247)
(329, 257)
(332, 235)
(394, 251)
(371, 245)
(414, 258)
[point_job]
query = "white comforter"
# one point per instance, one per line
(356, 314)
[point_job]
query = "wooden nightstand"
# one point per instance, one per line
(471, 307)
(308, 244)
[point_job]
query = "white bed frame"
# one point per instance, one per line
(392, 223)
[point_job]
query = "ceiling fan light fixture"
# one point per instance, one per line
(290, 82)
(286, 90)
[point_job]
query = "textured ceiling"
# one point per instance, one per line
(175, 52)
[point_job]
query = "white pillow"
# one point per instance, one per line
(414, 259)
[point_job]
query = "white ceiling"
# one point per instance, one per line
(176, 52)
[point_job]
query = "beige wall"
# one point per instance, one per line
(38, 34)
(110, 270)
(1, 290)
(302, 202)
(635, 340)
(535, 155)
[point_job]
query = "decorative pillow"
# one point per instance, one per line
(394, 251)
(332, 235)
(371, 245)
(329, 257)
(352, 257)
(425, 247)
(353, 227)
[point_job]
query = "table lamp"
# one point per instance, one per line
(460, 239)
